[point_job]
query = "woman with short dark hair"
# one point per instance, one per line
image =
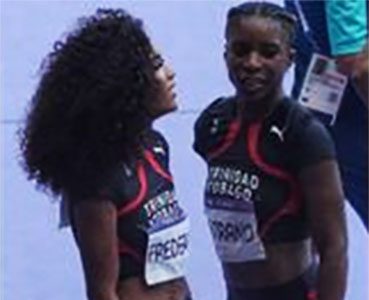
(273, 192)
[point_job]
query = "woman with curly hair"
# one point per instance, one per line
(88, 139)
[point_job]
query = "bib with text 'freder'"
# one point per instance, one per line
(167, 248)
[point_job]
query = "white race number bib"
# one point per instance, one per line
(167, 251)
(235, 235)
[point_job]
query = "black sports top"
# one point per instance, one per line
(260, 161)
(143, 193)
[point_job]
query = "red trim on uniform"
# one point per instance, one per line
(292, 204)
(136, 202)
(227, 141)
(156, 166)
(123, 248)
(312, 295)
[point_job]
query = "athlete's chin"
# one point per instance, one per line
(167, 110)
(254, 96)
(173, 107)
(172, 103)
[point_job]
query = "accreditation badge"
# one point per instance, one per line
(323, 87)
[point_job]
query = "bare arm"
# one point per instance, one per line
(325, 208)
(346, 63)
(356, 66)
(95, 233)
(360, 74)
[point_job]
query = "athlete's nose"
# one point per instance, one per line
(169, 73)
(252, 61)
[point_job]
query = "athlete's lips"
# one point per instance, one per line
(252, 79)
(252, 83)
(171, 89)
(172, 86)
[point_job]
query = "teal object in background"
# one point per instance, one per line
(347, 25)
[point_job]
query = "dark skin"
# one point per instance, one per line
(95, 225)
(325, 209)
(256, 64)
(356, 67)
(95, 229)
(359, 73)
(257, 56)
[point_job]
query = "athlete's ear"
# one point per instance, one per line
(291, 56)
(225, 52)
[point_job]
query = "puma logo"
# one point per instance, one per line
(127, 170)
(158, 150)
(214, 126)
(277, 131)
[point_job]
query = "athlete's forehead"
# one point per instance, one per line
(253, 29)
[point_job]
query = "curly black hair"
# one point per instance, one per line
(266, 10)
(89, 110)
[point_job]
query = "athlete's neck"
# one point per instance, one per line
(258, 109)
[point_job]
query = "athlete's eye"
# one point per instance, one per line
(239, 49)
(269, 50)
(158, 61)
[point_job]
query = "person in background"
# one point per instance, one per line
(273, 193)
(89, 139)
(360, 74)
(339, 30)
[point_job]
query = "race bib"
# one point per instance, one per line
(323, 87)
(167, 248)
(235, 234)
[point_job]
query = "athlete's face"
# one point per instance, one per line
(257, 56)
(164, 89)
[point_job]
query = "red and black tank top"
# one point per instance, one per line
(260, 161)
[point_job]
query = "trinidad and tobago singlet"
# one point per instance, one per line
(152, 226)
(252, 194)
